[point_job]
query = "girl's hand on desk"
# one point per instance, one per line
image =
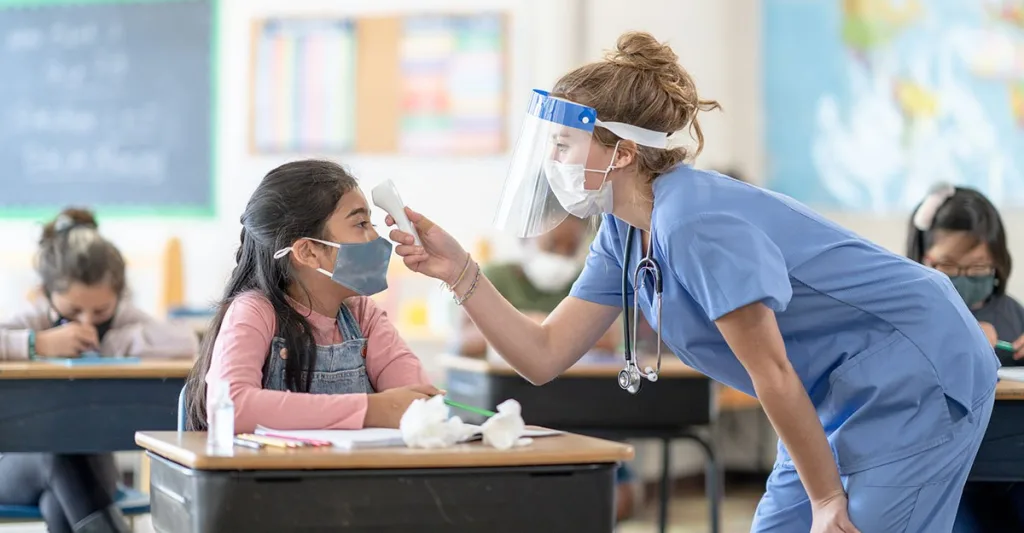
(1018, 346)
(441, 256)
(70, 339)
(385, 409)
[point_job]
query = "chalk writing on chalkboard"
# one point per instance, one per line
(106, 104)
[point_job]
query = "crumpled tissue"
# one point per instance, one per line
(425, 424)
(504, 429)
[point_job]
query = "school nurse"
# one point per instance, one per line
(875, 375)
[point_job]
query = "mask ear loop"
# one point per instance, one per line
(611, 166)
(289, 249)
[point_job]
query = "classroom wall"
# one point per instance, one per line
(718, 42)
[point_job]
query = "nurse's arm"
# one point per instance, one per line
(753, 335)
(538, 352)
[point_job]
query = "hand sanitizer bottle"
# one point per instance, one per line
(220, 435)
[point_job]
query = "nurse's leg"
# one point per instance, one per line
(785, 507)
(919, 494)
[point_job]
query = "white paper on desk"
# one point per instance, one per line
(1015, 373)
(354, 439)
(346, 439)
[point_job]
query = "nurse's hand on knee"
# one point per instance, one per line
(441, 256)
(832, 516)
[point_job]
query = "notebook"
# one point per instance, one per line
(354, 439)
(1015, 373)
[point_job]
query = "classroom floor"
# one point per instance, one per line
(688, 515)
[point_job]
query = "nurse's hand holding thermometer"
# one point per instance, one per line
(440, 257)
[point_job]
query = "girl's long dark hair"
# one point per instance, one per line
(291, 202)
(970, 211)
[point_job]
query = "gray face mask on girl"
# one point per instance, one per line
(974, 289)
(362, 267)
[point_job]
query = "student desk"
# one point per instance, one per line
(1001, 456)
(50, 407)
(557, 484)
(587, 399)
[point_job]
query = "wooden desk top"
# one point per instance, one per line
(671, 367)
(189, 449)
(1010, 390)
(145, 369)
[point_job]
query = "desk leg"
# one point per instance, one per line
(712, 480)
(142, 482)
(666, 488)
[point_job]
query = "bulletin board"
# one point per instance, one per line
(419, 84)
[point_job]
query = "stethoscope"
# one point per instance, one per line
(631, 376)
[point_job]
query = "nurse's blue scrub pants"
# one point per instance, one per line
(918, 494)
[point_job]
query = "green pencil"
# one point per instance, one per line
(1003, 345)
(470, 408)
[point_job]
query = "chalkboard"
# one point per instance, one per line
(107, 104)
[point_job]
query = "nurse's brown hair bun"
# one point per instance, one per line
(642, 51)
(641, 83)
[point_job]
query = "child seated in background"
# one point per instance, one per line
(296, 337)
(84, 306)
(84, 309)
(958, 231)
(551, 263)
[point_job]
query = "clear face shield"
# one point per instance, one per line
(553, 130)
(546, 179)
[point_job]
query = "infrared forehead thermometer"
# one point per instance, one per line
(385, 196)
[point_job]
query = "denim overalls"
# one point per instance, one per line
(340, 368)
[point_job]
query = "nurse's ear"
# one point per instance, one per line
(625, 155)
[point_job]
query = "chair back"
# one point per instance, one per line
(182, 410)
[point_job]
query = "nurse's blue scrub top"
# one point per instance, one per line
(888, 352)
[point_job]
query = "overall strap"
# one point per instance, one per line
(347, 324)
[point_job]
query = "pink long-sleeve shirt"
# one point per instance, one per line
(242, 347)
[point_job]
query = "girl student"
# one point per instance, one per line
(296, 338)
(83, 309)
(958, 231)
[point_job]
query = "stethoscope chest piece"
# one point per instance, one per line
(629, 380)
